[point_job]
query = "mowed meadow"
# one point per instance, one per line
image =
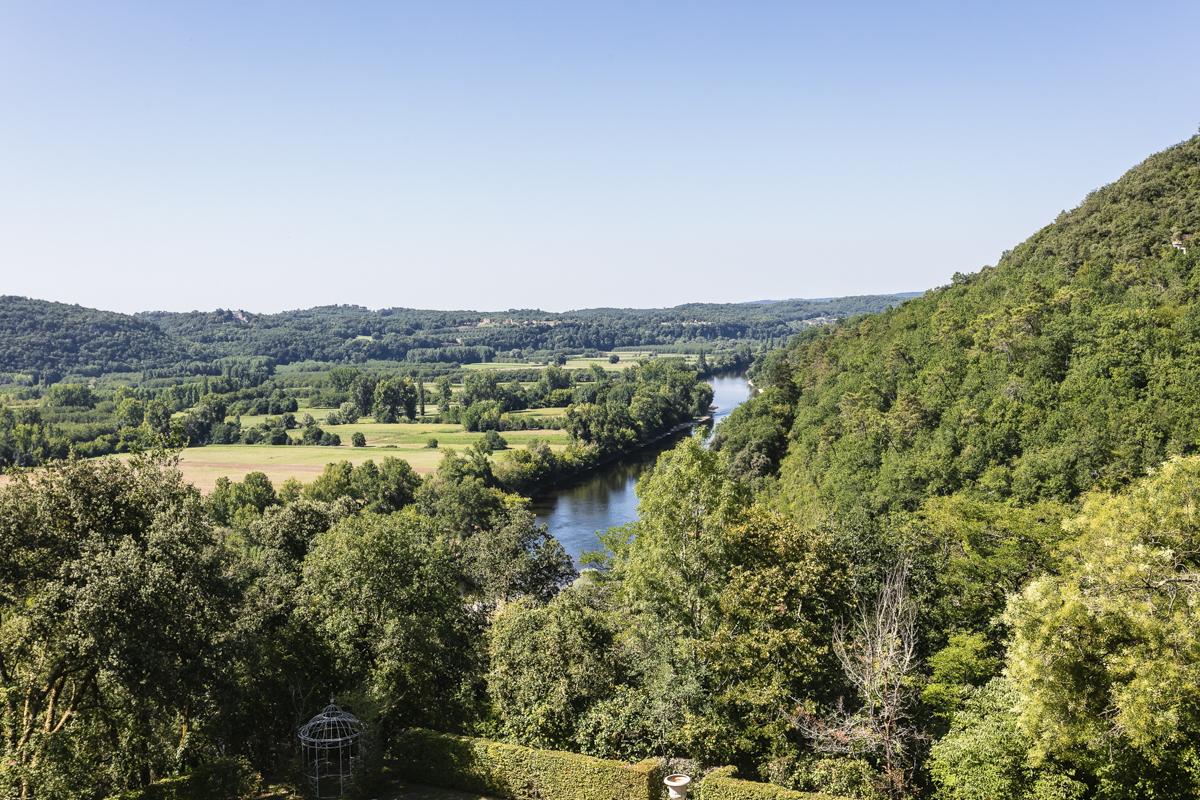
(202, 466)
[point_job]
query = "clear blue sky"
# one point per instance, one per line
(271, 155)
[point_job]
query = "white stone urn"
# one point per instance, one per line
(677, 786)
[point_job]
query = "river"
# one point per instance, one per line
(575, 512)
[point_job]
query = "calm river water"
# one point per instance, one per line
(575, 512)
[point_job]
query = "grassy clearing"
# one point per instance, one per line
(403, 434)
(203, 465)
(628, 359)
(555, 411)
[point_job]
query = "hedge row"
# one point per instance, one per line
(227, 779)
(720, 784)
(519, 773)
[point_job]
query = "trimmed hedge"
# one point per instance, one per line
(519, 773)
(720, 784)
(227, 779)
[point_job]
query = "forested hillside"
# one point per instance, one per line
(53, 338)
(1072, 364)
(979, 456)
(42, 336)
(353, 333)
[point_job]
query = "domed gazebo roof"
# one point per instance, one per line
(330, 729)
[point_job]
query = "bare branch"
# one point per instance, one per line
(877, 654)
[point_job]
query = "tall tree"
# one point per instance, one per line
(1106, 652)
(112, 600)
(384, 590)
(445, 393)
(362, 393)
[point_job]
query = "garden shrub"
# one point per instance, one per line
(226, 779)
(519, 773)
(720, 784)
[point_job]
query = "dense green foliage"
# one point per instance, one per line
(53, 339)
(611, 415)
(114, 598)
(969, 441)
(1100, 695)
(722, 785)
(885, 580)
(653, 399)
(226, 779)
(1106, 650)
(1071, 364)
(146, 632)
(685, 642)
(381, 588)
(520, 773)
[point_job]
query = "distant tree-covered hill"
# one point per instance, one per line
(353, 333)
(1073, 363)
(42, 336)
(53, 338)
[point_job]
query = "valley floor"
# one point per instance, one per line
(202, 466)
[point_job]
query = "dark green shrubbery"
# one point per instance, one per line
(720, 784)
(227, 779)
(494, 441)
(520, 773)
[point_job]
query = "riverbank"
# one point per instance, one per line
(533, 472)
(575, 510)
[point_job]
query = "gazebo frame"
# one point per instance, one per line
(329, 745)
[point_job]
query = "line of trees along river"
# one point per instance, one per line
(607, 497)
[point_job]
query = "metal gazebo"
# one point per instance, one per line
(329, 744)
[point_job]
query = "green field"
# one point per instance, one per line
(203, 465)
(554, 411)
(407, 434)
(628, 359)
(502, 365)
